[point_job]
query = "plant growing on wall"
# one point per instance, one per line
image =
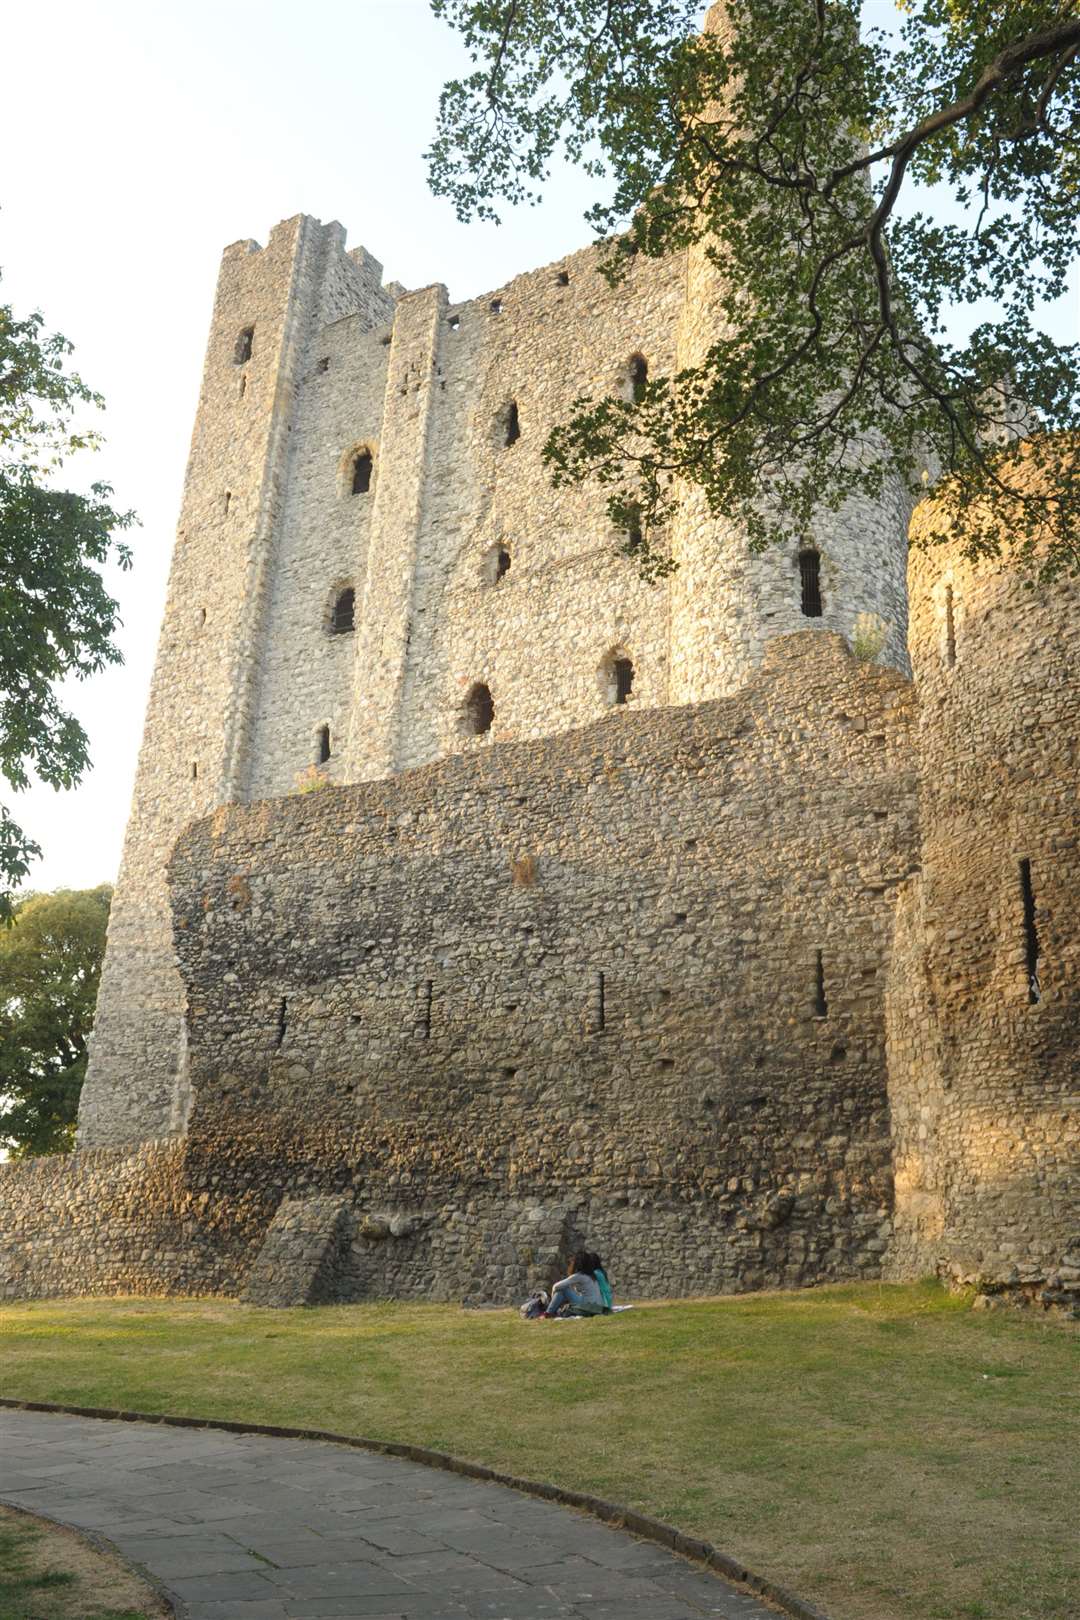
(869, 633)
(787, 146)
(57, 618)
(50, 965)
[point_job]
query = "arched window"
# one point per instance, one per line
(479, 711)
(245, 342)
(624, 679)
(361, 472)
(810, 579)
(322, 745)
(508, 429)
(616, 677)
(343, 616)
(636, 377)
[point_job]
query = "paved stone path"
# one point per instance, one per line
(244, 1527)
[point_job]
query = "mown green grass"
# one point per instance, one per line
(881, 1449)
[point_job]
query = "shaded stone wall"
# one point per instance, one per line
(570, 988)
(984, 1068)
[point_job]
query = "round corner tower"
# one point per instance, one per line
(984, 997)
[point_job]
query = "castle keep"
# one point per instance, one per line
(646, 913)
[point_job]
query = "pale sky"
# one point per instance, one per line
(140, 138)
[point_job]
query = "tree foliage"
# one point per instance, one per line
(786, 144)
(50, 965)
(56, 617)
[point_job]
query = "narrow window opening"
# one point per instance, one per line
(1031, 936)
(624, 679)
(361, 473)
(597, 1007)
(194, 770)
(243, 384)
(244, 345)
(479, 710)
(810, 577)
(227, 502)
(637, 377)
(821, 1006)
(950, 628)
(509, 425)
(563, 278)
(202, 617)
(454, 322)
(343, 618)
(282, 1021)
(502, 563)
(322, 745)
(424, 1030)
(496, 306)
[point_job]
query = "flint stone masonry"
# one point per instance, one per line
(442, 1054)
(380, 1010)
(764, 976)
(213, 651)
(249, 671)
(984, 1081)
(301, 1257)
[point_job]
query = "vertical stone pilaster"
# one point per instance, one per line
(385, 604)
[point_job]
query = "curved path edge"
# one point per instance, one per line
(100, 1543)
(638, 1524)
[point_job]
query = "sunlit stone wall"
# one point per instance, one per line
(984, 998)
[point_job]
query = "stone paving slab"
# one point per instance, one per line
(246, 1527)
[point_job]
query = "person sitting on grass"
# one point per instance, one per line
(578, 1294)
(596, 1270)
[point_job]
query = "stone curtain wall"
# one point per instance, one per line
(984, 1082)
(106, 1221)
(395, 992)
(197, 739)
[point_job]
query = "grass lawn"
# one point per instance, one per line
(881, 1449)
(50, 1574)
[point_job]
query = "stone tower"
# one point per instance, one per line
(984, 998)
(373, 571)
(201, 716)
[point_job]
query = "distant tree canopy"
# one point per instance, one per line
(787, 144)
(56, 617)
(50, 965)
